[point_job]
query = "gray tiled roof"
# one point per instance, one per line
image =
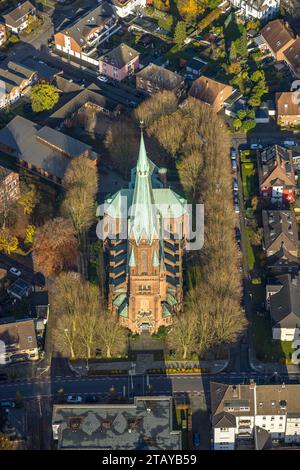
(146, 424)
(285, 304)
(14, 17)
(120, 56)
(160, 76)
(98, 17)
(20, 135)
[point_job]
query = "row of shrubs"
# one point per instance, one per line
(108, 372)
(182, 370)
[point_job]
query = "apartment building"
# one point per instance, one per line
(211, 92)
(119, 63)
(9, 186)
(277, 36)
(124, 8)
(82, 38)
(260, 9)
(154, 79)
(254, 417)
(18, 341)
(287, 109)
(283, 302)
(281, 241)
(16, 20)
(15, 79)
(276, 175)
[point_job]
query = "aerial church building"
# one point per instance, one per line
(144, 227)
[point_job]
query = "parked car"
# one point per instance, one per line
(236, 208)
(102, 78)
(237, 234)
(289, 143)
(15, 271)
(91, 399)
(256, 146)
(233, 164)
(233, 153)
(235, 185)
(74, 399)
(132, 104)
(7, 404)
(196, 439)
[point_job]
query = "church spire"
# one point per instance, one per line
(142, 215)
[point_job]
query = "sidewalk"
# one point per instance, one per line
(271, 367)
(145, 362)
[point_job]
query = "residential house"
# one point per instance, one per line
(277, 37)
(276, 174)
(145, 424)
(119, 63)
(44, 72)
(283, 302)
(255, 417)
(42, 150)
(194, 67)
(84, 102)
(3, 34)
(153, 79)
(281, 241)
(9, 186)
(18, 341)
(14, 81)
(211, 92)
(260, 9)
(287, 109)
(82, 37)
(292, 57)
(16, 20)
(124, 8)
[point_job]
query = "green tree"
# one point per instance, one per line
(248, 125)
(237, 123)
(254, 101)
(180, 33)
(233, 53)
(43, 97)
(30, 234)
(29, 198)
(8, 242)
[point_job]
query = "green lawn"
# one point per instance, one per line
(249, 248)
(267, 349)
(248, 180)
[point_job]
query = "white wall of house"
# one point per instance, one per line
(292, 433)
(285, 334)
(274, 424)
(224, 438)
(128, 8)
(249, 11)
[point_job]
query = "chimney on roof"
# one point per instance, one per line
(252, 384)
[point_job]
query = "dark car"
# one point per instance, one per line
(91, 399)
(196, 439)
(7, 404)
(237, 234)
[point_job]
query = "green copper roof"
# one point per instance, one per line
(119, 300)
(132, 261)
(155, 260)
(142, 216)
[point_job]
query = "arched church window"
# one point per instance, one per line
(144, 262)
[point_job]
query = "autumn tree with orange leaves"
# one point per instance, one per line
(55, 246)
